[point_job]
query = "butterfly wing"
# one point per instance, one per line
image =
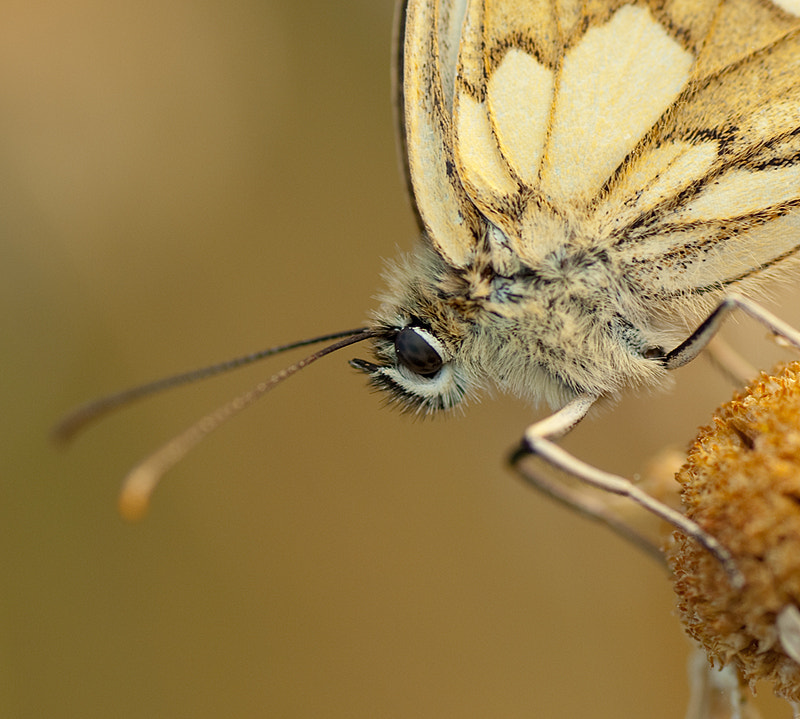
(668, 133)
(718, 198)
(430, 45)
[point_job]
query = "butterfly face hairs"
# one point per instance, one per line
(598, 185)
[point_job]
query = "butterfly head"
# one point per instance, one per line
(419, 347)
(441, 335)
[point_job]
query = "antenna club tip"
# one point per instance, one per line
(134, 499)
(133, 506)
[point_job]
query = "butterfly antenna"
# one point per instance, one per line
(141, 481)
(78, 419)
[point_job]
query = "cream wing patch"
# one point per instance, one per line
(482, 167)
(652, 180)
(688, 261)
(790, 6)
(741, 192)
(614, 85)
(519, 96)
(564, 131)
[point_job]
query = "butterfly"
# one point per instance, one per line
(598, 184)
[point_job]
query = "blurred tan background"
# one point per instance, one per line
(183, 182)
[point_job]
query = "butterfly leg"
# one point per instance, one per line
(589, 505)
(730, 363)
(699, 339)
(539, 440)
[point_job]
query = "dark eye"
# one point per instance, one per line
(414, 352)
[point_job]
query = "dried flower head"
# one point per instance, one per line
(741, 483)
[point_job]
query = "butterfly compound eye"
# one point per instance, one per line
(416, 353)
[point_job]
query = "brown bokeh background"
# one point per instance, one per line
(184, 182)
